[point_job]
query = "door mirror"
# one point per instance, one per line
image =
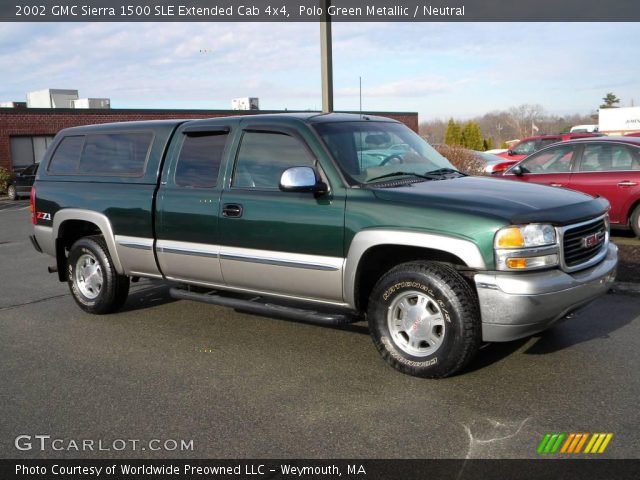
(517, 171)
(301, 179)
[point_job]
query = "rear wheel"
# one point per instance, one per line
(11, 192)
(635, 221)
(94, 283)
(424, 319)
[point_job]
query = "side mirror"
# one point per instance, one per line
(517, 171)
(302, 179)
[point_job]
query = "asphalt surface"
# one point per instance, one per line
(243, 386)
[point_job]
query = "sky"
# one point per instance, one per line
(439, 70)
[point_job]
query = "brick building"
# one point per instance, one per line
(25, 133)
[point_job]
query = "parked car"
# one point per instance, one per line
(529, 145)
(634, 134)
(605, 166)
(20, 185)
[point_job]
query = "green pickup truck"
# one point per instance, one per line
(326, 218)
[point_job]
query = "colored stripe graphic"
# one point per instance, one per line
(572, 443)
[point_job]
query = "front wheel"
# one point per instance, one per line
(424, 319)
(94, 283)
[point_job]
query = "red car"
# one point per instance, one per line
(527, 146)
(604, 166)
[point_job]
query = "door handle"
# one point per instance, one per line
(556, 185)
(232, 210)
(627, 183)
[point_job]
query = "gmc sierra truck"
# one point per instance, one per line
(327, 218)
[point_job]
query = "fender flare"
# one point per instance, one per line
(100, 220)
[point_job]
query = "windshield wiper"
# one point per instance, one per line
(397, 174)
(441, 172)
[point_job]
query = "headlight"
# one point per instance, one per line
(526, 247)
(534, 235)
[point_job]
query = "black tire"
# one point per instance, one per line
(452, 321)
(634, 220)
(11, 192)
(107, 291)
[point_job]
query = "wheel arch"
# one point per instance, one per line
(71, 224)
(374, 252)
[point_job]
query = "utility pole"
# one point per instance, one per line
(326, 58)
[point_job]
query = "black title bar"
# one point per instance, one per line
(311, 11)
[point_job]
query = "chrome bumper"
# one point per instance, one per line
(516, 306)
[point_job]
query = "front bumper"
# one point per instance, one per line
(514, 306)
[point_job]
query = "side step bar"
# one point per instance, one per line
(259, 305)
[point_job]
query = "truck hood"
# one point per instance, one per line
(513, 202)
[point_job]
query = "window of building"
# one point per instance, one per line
(28, 150)
(199, 160)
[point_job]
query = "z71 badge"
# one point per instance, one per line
(43, 216)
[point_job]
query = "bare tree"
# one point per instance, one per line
(523, 118)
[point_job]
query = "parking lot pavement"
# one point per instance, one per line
(252, 387)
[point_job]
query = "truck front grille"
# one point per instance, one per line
(583, 242)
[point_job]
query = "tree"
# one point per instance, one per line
(523, 117)
(453, 135)
(472, 136)
(487, 144)
(610, 101)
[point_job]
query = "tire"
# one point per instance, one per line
(446, 332)
(11, 192)
(94, 283)
(634, 220)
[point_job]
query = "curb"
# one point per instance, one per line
(628, 288)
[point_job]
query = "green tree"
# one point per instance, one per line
(610, 101)
(487, 144)
(472, 136)
(453, 135)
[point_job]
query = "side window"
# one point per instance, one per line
(525, 148)
(551, 160)
(199, 160)
(264, 156)
(116, 153)
(607, 157)
(545, 142)
(67, 155)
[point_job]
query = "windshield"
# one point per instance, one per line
(367, 150)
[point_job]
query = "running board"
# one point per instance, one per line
(260, 306)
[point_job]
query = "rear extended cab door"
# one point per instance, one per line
(188, 202)
(610, 170)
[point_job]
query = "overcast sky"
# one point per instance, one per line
(437, 69)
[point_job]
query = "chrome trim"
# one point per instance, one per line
(184, 251)
(140, 243)
(100, 220)
(502, 254)
(560, 231)
(466, 250)
(277, 262)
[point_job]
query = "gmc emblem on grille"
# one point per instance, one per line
(592, 240)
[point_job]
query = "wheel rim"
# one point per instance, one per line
(12, 192)
(416, 323)
(89, 278)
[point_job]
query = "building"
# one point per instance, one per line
(619, 121)
(25, 133)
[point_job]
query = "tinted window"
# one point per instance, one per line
(115, 153)
(544, 142)
(67, 155)
(30, 170)
(608, 157)
(264, 156)
(551, 160)
(199, 160)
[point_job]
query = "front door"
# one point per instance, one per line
(551, 166)
(277, 242)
